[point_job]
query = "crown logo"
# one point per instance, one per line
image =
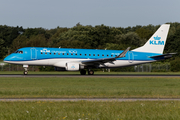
(157, 38)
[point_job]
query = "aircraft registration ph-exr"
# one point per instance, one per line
(81, 59)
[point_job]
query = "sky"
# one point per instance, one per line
(50, 14)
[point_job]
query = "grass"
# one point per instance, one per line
(84, 110)
(78, 87)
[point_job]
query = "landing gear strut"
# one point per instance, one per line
(25, 69)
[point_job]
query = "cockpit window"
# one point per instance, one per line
(18, 51)
(21, 52)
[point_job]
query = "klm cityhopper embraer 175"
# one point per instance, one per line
(81, 59)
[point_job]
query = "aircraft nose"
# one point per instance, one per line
(8, 58)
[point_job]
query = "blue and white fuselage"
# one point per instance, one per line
(80, 59)
(58, 57)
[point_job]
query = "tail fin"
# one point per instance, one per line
(157, 42)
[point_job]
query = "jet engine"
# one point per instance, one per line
(72, 66)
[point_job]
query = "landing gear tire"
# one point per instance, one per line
(91, 72)
(25, 69)
(83, 72)
(25, 72)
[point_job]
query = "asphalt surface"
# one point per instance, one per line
(98, 75)
(86, 99)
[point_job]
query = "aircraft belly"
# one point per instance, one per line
(122, 63)
(62, 62)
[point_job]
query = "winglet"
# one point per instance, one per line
(123, 54)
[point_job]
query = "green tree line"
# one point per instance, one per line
(88, 37)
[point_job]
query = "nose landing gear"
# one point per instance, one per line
(25, 69)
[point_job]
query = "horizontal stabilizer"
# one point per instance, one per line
(165, 56)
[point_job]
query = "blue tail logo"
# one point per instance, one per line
(157, 38)
(156, 41)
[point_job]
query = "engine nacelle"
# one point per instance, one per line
(72, 66)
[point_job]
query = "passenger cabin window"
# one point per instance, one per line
(93, 54)
(85, 54)
(50, 53)
(63, 53)
(89, 54)
(41, 53)
(107, 55)
(54, 53)
(46, 53)
(71, 53)
(67, 53)
(102, 55)
(58, 53)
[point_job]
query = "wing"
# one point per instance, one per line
(104, 60)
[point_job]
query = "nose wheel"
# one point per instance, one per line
(25, 72)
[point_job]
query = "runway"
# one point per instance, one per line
(98, 75)
(87, 99)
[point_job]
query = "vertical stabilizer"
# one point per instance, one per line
(157, 42)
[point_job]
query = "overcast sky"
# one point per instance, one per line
(67, 13)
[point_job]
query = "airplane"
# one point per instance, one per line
(66, 59)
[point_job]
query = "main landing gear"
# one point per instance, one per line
(83, 72)
(90, 72)
(25, 69)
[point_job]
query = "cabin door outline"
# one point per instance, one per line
(131, 57)
(33, 53)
